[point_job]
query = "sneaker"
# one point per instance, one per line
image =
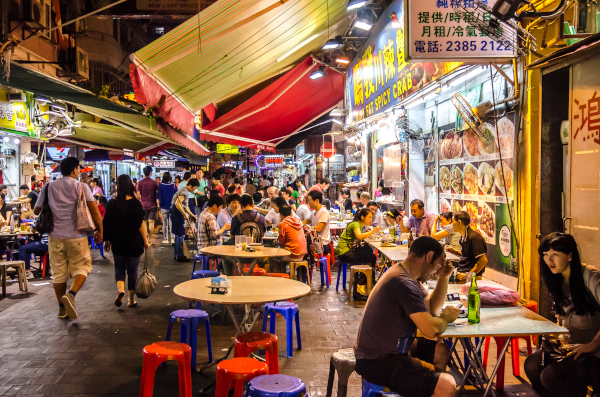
(29, 276)
(172, 242)
(119, 299)
(62, 312)
(183, 259)
(69, 301)
(165, 241)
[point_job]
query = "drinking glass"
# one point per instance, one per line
(249, 240)
(238, 242)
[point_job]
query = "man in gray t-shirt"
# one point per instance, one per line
(396, 308)
(68, 248)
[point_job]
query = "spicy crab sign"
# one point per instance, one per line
(380, 77)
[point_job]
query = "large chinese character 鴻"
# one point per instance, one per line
(594, 117)
(583, 118)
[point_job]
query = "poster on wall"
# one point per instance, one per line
(478, 177)
(379, 77)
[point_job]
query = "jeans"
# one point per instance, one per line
(192, 205)
(179, 246)
(26, 250)
(127, 265)
(166, 217)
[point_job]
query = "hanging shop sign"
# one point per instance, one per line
(327, 150)
(14, 114)
(269, 162)
(380, 76)
(227, 149)
(164, 163)
(438, 29)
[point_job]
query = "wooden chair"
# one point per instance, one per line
(295, 265)
(368, 272)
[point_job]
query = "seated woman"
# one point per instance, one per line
(346, 203)
(5, 217)
(451, 238)
(291, 237)
(575, 290)
(390, 218)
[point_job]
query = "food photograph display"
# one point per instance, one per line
(477, 176)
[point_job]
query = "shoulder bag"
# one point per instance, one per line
(146, 283)
(85, 222)
(45, 220)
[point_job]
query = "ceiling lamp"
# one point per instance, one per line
(364, 20)
(343, 60)
(338, 113)
(16, 141)
(333, 43)
(506, 9)
(337, 121)
(354, 4)
(317, 74)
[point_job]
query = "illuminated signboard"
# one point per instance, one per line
(274, 161)
(227, 149)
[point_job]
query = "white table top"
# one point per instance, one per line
(244, 290)
(17, 233)
(229, 250)
(399, 253)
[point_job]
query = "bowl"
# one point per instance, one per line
(432, 283)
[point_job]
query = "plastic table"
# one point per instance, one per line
(399, 253)
(229, 250)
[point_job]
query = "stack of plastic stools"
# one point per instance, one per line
(344, 363)
(159, 352)
(235, 372)
(289, 311)
(203, 274)
(253, 341)
(342, 267)
(276, 386)
(371, 390)
(190, 320)
(324, 270)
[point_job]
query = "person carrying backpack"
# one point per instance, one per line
(249, 223)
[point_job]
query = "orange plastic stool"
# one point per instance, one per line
(235, 372)
(159, 352)
(253, 341)
(281, 275)
(257, 271)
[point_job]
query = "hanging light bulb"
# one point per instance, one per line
(16, 141)
(5, 139)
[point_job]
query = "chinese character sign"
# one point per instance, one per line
(439, 29)
(380, 77)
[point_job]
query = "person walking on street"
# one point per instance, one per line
(181, 212)
(68, 248)
(148, 190)
(166, 191)
(125, 234)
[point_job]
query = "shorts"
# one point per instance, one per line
(71, 255)
(150, 214)
(401, 373)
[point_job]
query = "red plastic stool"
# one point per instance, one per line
(235, 372)
(159, 352)
(281, 275)
(253, 341)
(44, 262)
(257, 271)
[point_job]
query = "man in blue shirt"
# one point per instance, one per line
(226, 214)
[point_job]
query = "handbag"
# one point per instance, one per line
(45, 220)
(553, 351)
(146, 283)
(85, 222)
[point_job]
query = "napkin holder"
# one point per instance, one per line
(220, 285)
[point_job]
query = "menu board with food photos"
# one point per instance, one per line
(478, 177)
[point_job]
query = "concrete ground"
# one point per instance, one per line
(100, 353)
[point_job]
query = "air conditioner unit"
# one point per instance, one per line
(34, 13)
(78, 62)
(17, 97)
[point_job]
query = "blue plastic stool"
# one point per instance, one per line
(288, 310)
(203, 259)
(342, 267)
(276, 386)
(323, 270)
(190, 320)
(202, 274)
(101, 246)
(371, 390)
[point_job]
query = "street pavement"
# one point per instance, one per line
(100, 353)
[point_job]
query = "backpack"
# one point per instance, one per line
(250, 228)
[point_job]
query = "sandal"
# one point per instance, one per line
(119, 299)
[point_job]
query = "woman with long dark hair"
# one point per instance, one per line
(575, 290)
(125, 233)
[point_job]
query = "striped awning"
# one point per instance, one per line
(235, 44)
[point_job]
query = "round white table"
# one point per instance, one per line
(229, 250)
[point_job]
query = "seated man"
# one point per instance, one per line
(420, 220)
(209, 233)
(28, 198)
(291, 237)
(38, 248)
(273, 218)
(473, 253)
(396, 308)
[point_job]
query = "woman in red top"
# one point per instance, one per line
(291, 237)
(238, 186)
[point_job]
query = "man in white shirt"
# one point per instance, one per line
(264, 182)
(303, 212)
(319, 219)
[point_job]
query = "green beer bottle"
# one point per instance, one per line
(474, 301)
(392, 235)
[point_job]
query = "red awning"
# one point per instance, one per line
(280, 110)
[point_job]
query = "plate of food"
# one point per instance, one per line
(431, 155)
(445, 179)
(456, 206)
(506, 134)
(473, 212)
(430, 141)
(471, 178)
(488, 146)
(456, 179)
(486, 178)
(451, 146)
(487, 220)
(444, 206)
(471, 142)
(508, 174)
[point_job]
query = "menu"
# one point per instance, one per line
(478, 177)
